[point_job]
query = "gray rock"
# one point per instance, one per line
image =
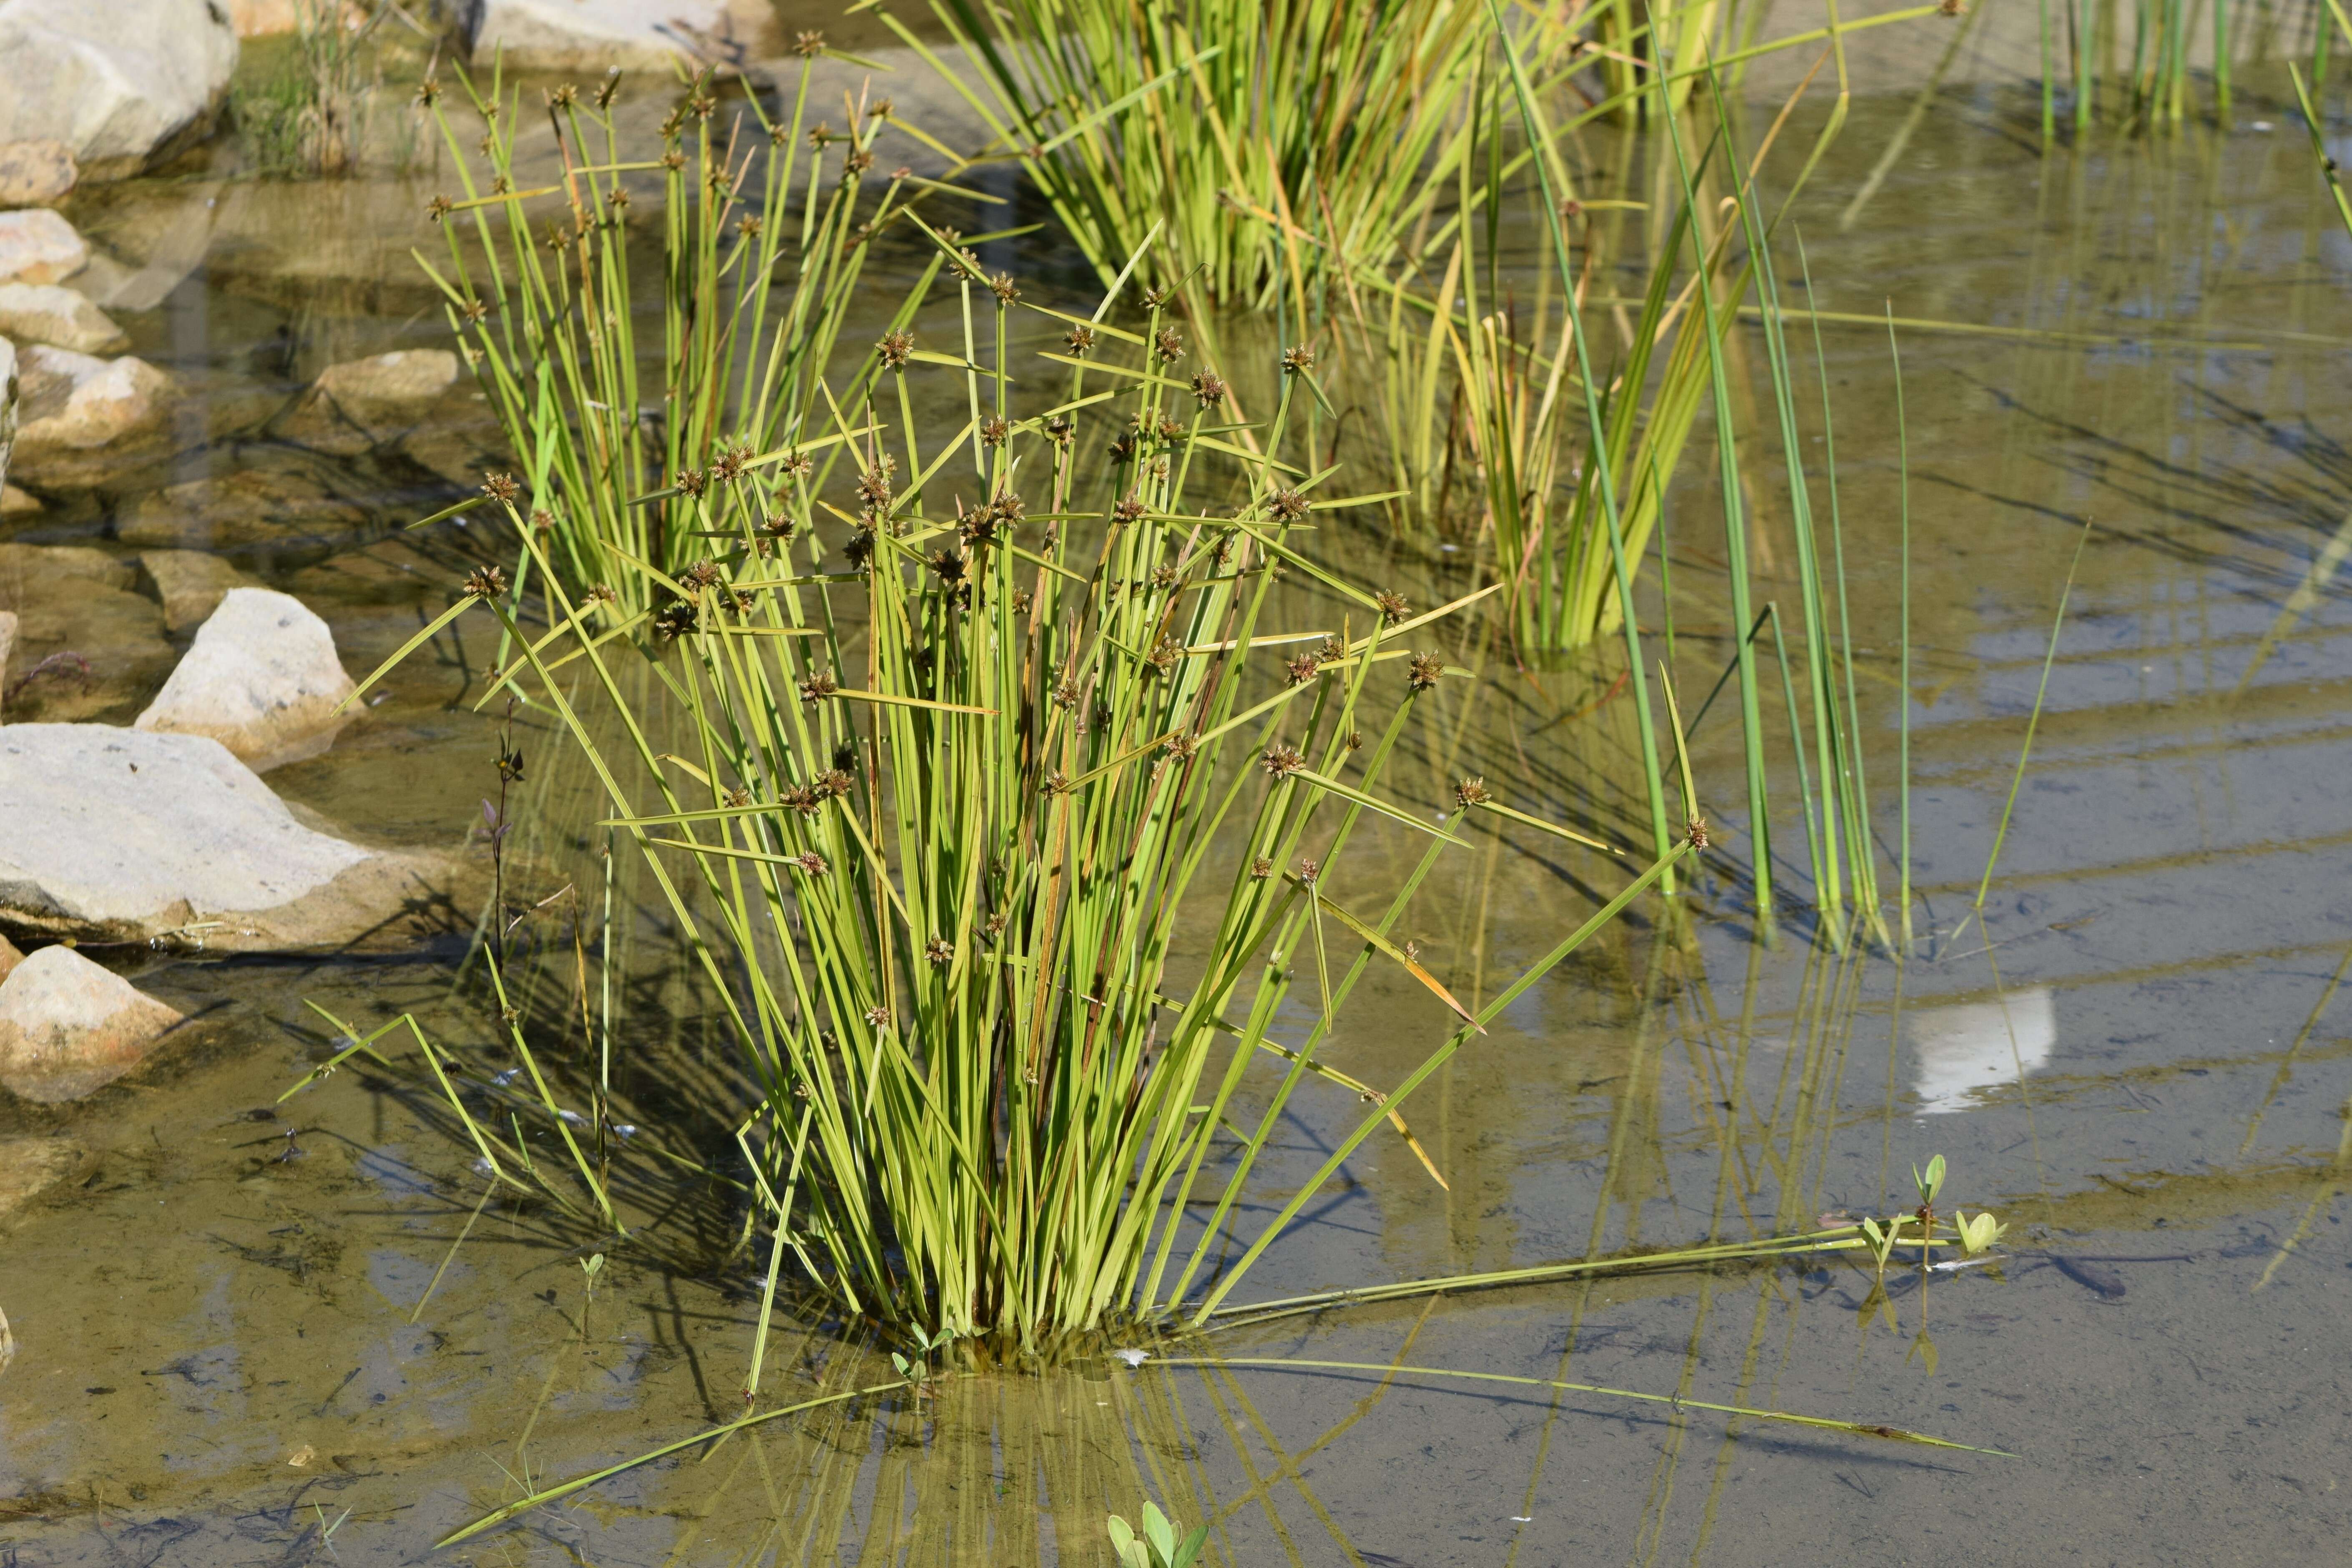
(15, 502)
(36, 173)
(190, 583)
(10, 956)
(82, 419)
(591, 36)
(46, 313)
(36, 245)
(7, 646)
(31, 1166)
(130, 833)
(118, 81)
(262, 678)
(68, 1028)
(363, 403)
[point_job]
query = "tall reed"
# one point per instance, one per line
(545, 304)
(1272, 143)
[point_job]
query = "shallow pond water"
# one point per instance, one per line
(229, 1354)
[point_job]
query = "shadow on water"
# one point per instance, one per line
(255, 1333)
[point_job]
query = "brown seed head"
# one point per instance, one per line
(1297, 361)
(939, 950)
(1168, 346)
(1281, 761)
(1424, 671)
(500, 487)
(1303, 669)
(1128, 510)
(895, 348)
(809, 45)
(675, 619)
(1470, 792)
(1261, 868)
(1698, 832)
(817, 686)
(606, 88)
(1208, 389)
(1286, 505)
(1002, 287)
(813, 863)
(1393, 607)
(428, 91)
(563, 97)
(1080, 338)
(438, 208)
(485, 582)
(992, 431)
(878, 1017)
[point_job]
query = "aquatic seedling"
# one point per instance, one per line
(1155, 1545)
(1977, 1233)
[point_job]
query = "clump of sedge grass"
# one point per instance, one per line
(951, 785)
(309, 116)
(1261, 143)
